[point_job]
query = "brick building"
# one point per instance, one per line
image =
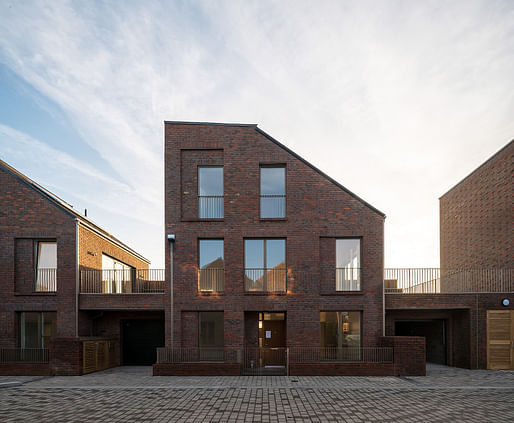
(465, 309)
(74, 298)
(271, 263)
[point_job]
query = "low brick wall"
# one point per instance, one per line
(25, 369)
(66, 356)
(197, 369)
(342, 369)
(409, 354)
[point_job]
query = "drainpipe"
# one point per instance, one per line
(171, 242)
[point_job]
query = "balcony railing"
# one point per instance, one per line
(211, 280)
(23, 355)
(265, 280)
(210, 206)
(46, 280)
(273, 206)
(447, 281)
(140, 281)
(348, 279)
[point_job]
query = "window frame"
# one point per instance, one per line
(265, 268)
(198, 168)
(359, 269)
(361, 320)
(51, 277)
(220, 286)
(112, 284)
(41, 328)
(272, 166)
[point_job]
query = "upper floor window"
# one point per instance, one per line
(116, 276)
(46, 266)
(273, 191)
(210, 192)
(265, 265)
(348, 264)
(212, 265)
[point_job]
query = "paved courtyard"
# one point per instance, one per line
(131, 394)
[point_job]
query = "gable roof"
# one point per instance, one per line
(67, 208)
(273, 140)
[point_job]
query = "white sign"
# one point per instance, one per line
(268, 334)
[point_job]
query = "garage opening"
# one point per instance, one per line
(435, 333)
(141, 338)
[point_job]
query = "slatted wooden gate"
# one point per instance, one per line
(500, 339)
(100, 355)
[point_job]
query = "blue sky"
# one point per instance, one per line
(397, 100)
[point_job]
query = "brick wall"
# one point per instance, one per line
(318, 211)
(409, 354)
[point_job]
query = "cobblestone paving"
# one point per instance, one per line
(133, 395)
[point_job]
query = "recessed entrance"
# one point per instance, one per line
(433, 330)
(141, 338)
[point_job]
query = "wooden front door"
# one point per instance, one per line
(500, 339)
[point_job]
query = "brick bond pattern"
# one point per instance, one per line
(318, 212)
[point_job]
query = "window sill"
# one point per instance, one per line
(336, 293)
(35, 294)
(273, 219)
(260, 293)
(197, 219)
(211, 294)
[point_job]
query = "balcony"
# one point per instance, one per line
(448, 281)
(265, 280)
(140, 281)
(211, 279)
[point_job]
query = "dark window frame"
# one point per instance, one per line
(273, 166)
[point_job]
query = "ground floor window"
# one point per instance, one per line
(211, 335)
(37, 329)
(340, 329)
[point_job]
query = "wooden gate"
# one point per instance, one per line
(500, 339)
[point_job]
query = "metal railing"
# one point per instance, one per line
(210, 206)
(442, 281)
(265, 280)
(132, 281)
(273, 206)
(348, 279)
(334, 354)
(46, 280)
(195, 355)
(211, 280)
(24, 355)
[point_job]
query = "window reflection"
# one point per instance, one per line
(210, 192)
(273, 192)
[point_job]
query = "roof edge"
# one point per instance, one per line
(501, 150)
(181, 122)
(269, 137)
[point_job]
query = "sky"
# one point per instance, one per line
(396, 100)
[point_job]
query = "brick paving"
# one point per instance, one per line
(133, 395)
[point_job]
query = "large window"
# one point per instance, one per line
(273, 192)
(212, 265)
(210, 335)
(210, 192)
(116, 276)
(46, 266)
(36, 329)
(265, 265)
(340, 329)
(348, 264)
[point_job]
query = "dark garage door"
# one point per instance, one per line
(434, 332)
(140, 340)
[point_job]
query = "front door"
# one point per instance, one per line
(272, 338)
(500, 339)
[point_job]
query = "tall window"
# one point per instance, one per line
(265, 265)
(210, 192)
(273, 192)
(212, 265)
(348, 264)
(46, 266)
(210, 335)
(116, 276)
(339, 330)
(37, 329)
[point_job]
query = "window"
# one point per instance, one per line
(340, 335)
(212, 265)
(37, 329)
(265, 265)
(46, 266)
(348, 264)
(273, 192)
(116, 276)
(210, 192)
(210, 335)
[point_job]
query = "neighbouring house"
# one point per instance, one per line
(74, 298)
(465, 309)
(273, 267)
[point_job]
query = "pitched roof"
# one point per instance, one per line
(273, 140)
(67, 208)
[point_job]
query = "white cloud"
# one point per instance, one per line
(396, 100)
